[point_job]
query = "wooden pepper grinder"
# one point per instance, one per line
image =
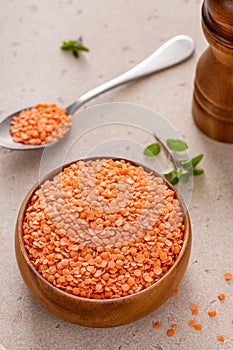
(213, 90)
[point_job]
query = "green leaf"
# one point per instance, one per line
(197, 172)
(81, 48)
(176, 145)
(192, 163)
(178, 174)
(74, 47)
(170, 168)
(152, 150)
(196, 160)
(67, 45)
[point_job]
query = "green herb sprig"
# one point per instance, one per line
(178, 169)
(74, 46)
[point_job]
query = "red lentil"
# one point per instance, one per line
(220, 337)
(228, 276)
(212, 313)
(221, 296)
(70, 250)
(170, 332)
(191, 323)
(197, 326)
(176, 292)
(194, 308)
(44, 123)
(194, 312)
(157, 325)
(174, 326)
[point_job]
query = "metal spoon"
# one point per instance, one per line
(174, 51)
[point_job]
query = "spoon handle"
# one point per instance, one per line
(174, 51)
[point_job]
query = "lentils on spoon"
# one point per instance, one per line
(42, 124)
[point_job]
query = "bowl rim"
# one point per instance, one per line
(187, 239)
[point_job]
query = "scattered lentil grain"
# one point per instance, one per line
(170, 332)
(228, 276)
(191, 323)
(176, 292)
(221, 296)
(194, 312)
(194, 308)
(197, 326)
(212, 313)
(174, 326)
(220, 337)
(157, 325)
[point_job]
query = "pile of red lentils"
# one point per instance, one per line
(44, 123)
(103, 229)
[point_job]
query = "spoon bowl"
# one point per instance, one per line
(172, 52)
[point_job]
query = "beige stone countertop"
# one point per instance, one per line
(33, 69)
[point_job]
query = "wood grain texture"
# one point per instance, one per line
(213, 97)
(99, 313)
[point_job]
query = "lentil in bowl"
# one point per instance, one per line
(106, 240)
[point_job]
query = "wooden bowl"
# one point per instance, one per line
(104, 312)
